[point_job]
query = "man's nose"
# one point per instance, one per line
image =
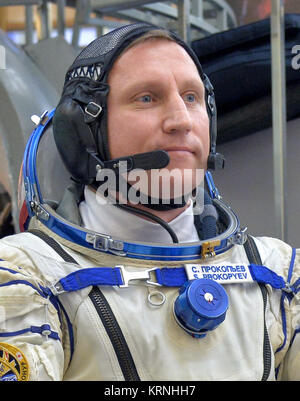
(177, 117)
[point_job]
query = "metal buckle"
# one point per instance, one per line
(92, 114)
(137, 275)
(39, 211)
(56, 288)
(105, 243)
(288, 288)
(241, 237)
(208, 249)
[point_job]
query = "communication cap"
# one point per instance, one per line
(80, 120)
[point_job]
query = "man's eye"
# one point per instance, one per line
(145, 98)
(190, 97)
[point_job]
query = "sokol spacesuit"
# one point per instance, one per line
(94, 292)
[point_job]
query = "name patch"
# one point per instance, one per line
(222, 273)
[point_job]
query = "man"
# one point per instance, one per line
(119, 279)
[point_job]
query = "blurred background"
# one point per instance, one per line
(241, 12)
(39, 40)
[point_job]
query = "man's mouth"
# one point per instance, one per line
(179, 149)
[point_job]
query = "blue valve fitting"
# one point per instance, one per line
(201, 306)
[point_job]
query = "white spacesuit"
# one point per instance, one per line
(94, 292)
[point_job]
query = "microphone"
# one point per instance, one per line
(147, 161)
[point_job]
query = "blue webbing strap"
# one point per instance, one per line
(169, 277)
(92, 276)
(263, 275)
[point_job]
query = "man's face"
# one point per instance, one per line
(156, 102)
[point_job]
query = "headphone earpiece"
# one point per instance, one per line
(215, 160)
(74, 140)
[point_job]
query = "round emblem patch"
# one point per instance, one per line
(13, 364)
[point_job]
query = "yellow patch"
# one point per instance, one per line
(13, 364)
(208, 248)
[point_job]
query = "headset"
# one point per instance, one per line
(80, 120)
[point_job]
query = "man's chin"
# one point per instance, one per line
(166, 183)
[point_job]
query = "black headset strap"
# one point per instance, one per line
(212, 111)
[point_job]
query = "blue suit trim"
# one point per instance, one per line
(24, 282)
(33, 329)
(289, 296)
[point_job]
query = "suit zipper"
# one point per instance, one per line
(115, 335)
(254, 257)
(266, 346)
